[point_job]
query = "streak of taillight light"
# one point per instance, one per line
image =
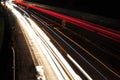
(106, 32)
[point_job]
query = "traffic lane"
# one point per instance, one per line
(99, 56)
(26, 72)
(88, 37)
(94, 62)
(102, 44)
(35, 32)
(73, 52)
(37, 35)
(80, 23)
(94, 38)
(80, 75)
(107, 22)
(105, 49)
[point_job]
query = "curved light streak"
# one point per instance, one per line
(40, 45)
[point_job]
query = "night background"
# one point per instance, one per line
(105, 13)
(109, 8)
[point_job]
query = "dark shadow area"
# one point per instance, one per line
(109, 9)
(6, 52)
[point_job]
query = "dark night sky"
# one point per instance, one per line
(108, 8)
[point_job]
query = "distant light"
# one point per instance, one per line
(18, 0)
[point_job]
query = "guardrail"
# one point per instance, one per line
(106, 32)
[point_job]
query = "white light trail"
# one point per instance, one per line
(42, 48)
(79, 67)
(50, 49)
(54, 51)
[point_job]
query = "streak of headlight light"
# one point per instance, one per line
(75, 76)
(79, 67)
(10, 0)
(30, 32)
(21, 18)
(44, 48)
(8, 5)
(38, 30)
(51, 59)
(64, 61)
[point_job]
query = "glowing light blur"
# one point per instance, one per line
(2, 3)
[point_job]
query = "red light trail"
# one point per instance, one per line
(106, 32)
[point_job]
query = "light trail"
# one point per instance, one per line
(72, 49)
(79, 67)
(89, 53)
(50, 48)
(106, 32)
(42, 49)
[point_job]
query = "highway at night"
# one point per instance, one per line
(55, 46)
